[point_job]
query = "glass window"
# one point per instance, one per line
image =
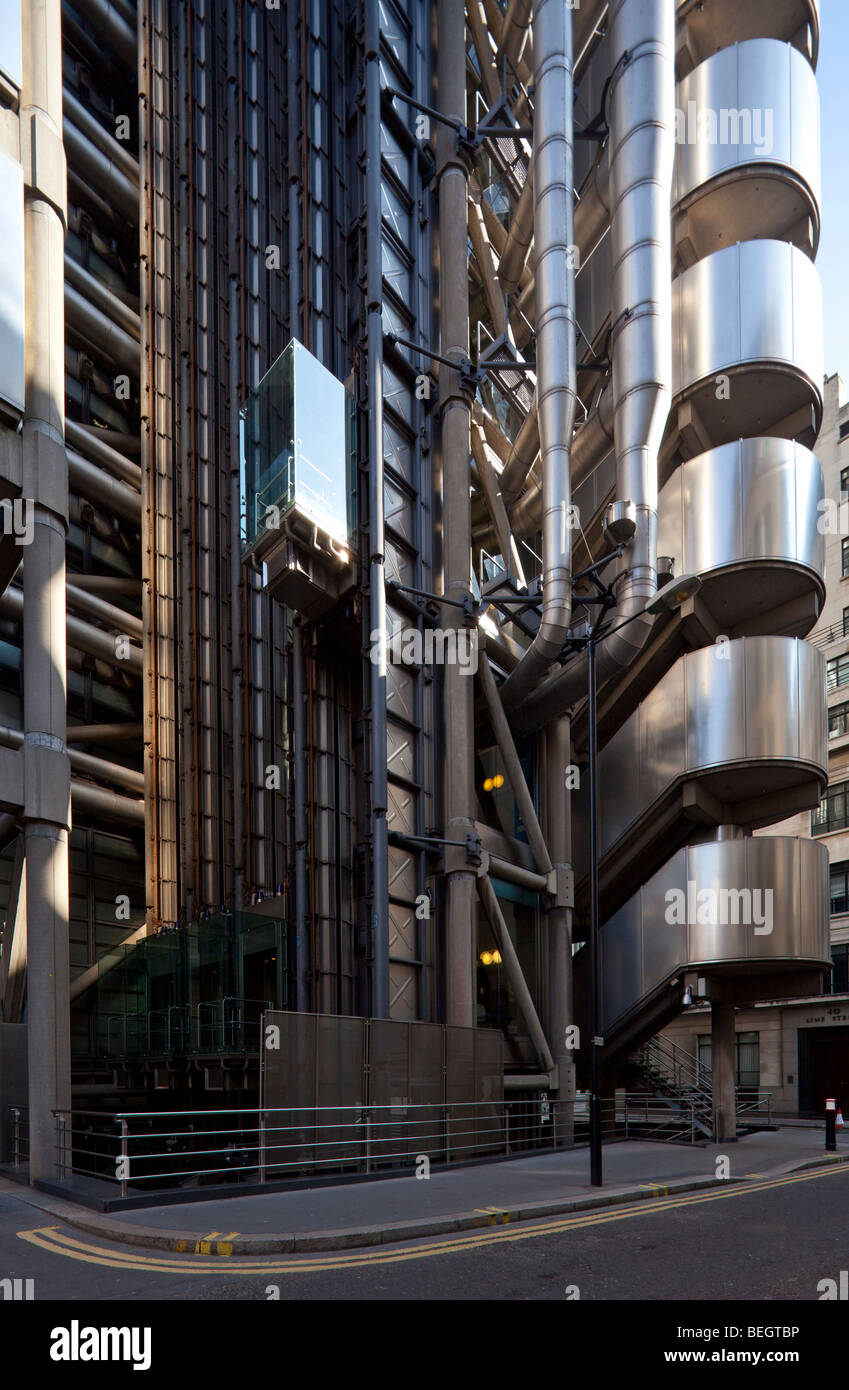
(846, 622)
(748, 1060)
(838, 720)
(839, 970)
(839, 875)
(844, 553)
(831, 812)
(837, 671)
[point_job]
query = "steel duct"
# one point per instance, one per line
(642, 155)
(555, 300)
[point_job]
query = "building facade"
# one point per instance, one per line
(355, 375)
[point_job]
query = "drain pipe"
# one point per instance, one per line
(377, 563)
(642, 152)
(555, 298)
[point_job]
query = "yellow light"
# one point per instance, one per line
(492, 784)
(486, 957)
(487, 786)
(496, 957)
(498, 780)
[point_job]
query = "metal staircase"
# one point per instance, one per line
(677, 1077)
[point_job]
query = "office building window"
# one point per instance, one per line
(839, 875)
(748, 1058)
(838, 720)
(844, 552)
(837, 672)
(831, 812)
(846, 622)
(839, 982)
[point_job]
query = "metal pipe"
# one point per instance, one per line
(519, 238)
(104, 299)
(491, 907)
(83, 762)
(555, 297)
(509, 872)
(377, 573)
(495, 503)
(85, 158)
(106, 341)
(89, 480)
(592, 211)
(98, 451)
(107, 584)
(522, 455)
(79, 634)
(107, 612)
(454, 418)
(74, 112)
(42, 600)
(557, 754)
(513, 766)
(485, 258)
(514, 30)
(104, 733)
(299, 755)
(642, 152)
(87, 799)
(111, 28)
(590, 445)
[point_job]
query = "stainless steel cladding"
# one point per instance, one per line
(667, 926)
(748, 511)
(748, 138)
(555, 331)
(739, 717)
(703, 29)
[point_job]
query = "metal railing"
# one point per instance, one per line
(215, 1025)
(179, 1148)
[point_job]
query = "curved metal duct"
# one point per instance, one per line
(519, 239)
(705, 29)
(555, 300)
(641, 156)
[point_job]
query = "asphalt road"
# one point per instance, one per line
(770, 1240)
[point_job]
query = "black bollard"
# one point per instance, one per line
(831, 1130)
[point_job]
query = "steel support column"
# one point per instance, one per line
(454, 402)
(47, 769)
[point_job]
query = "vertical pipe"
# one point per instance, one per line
(377, 588)
(723, 1071)
(454, 406)
(299, 748)
(595, 964)
(559, 924)
(46, 765)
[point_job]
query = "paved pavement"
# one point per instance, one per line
(407, 1207)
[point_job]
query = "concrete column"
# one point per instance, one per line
(724, 1068)
(455, 409)
(45, 482)
(557, 754)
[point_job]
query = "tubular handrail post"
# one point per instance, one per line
(367, 1118)
(262, 1144)
(125, 1155)
(16, 1137)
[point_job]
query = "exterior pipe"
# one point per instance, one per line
(107, 340)
(555, 298)
(47, 808)
(83, 762)
(492, 909)
(101, 297)
(377, 562)
(495, 503)
(591, 444)
(79, 634)
(522, 455)
(519, 238)
(87, 799)
(97, 450)
(73, 112)
(509, 872)
(454, 419)
(104, 733)
(513, 766)
(106, 612)
(514, 30)
(299, 748)
(90, 482)
(84, 158)
(105, 19)
(557, 752)
(642, 152)
(592, 211)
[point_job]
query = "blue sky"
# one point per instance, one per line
(833, 255)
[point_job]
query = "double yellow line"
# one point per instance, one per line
(54, 1240)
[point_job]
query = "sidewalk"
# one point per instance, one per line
(403, 1208)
